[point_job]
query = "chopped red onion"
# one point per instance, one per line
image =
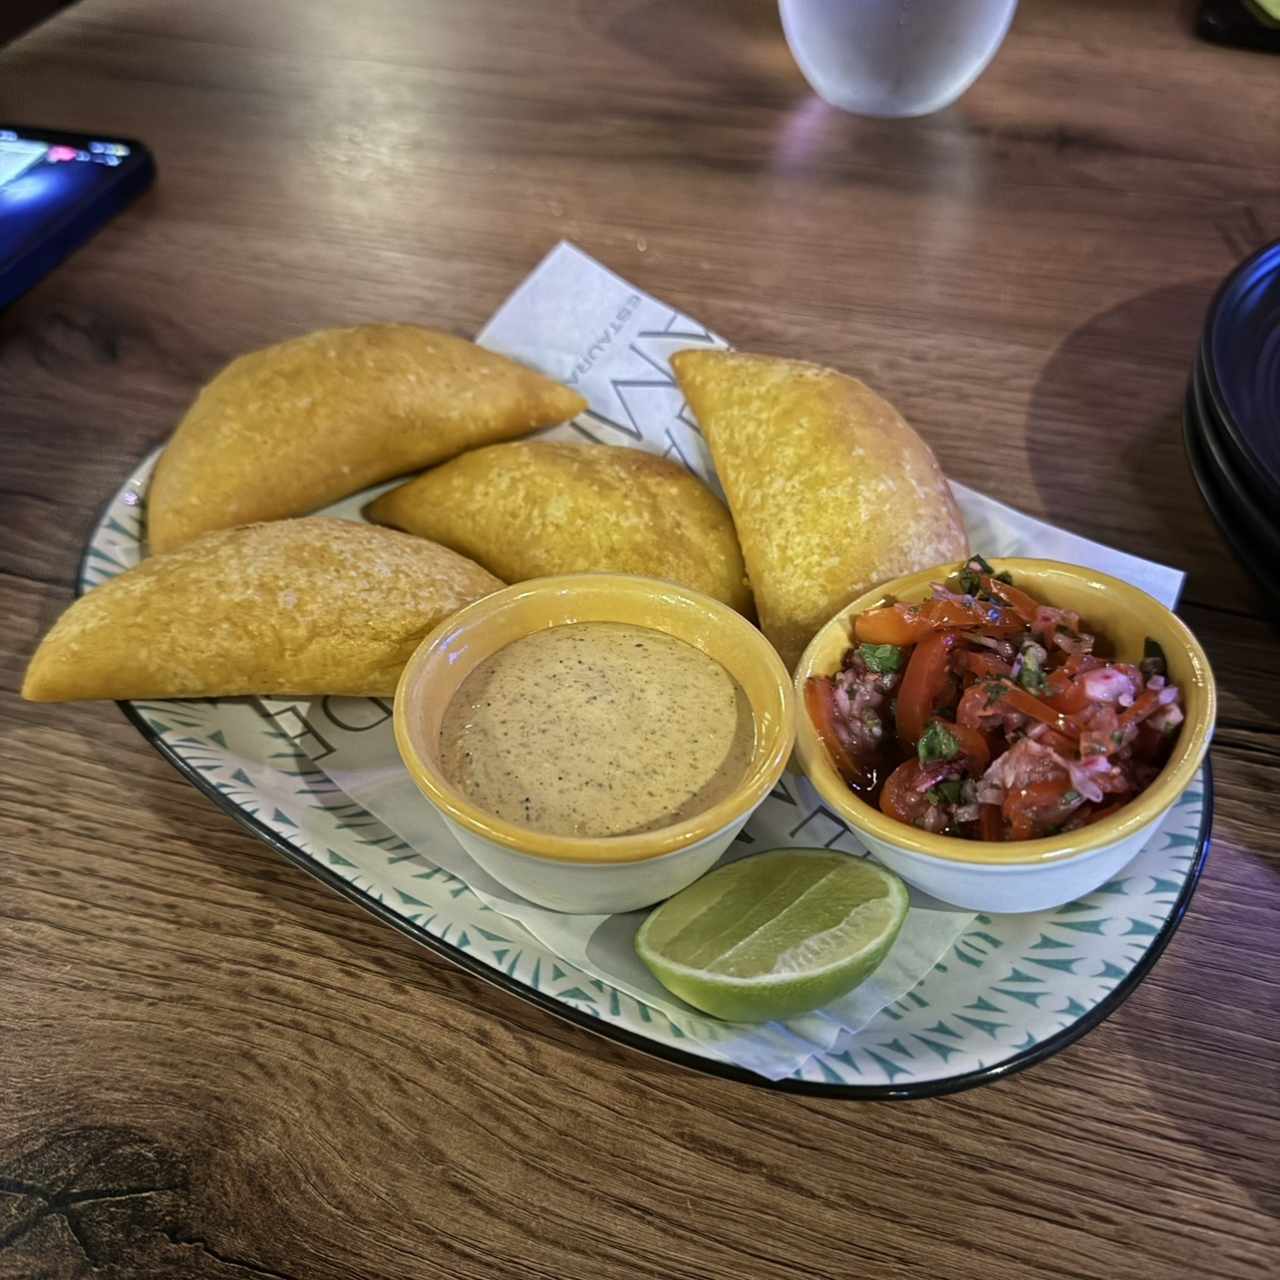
(1002, 647)
(1080, 779)
(932, 774)
(1072, 644)
(1106, 684)
(935, 819)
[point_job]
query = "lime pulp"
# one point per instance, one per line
(776, 934)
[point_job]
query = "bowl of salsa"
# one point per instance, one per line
(1005, 735)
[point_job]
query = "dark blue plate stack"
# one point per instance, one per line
(1231, 420)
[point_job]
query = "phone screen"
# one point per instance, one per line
(48, 180)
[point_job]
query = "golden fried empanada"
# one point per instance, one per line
(831, 491)
(291, 428)
(307, 606)
(536, 508)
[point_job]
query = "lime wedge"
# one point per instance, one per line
(776, 934)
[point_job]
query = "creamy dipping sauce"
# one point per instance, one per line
(597, 729)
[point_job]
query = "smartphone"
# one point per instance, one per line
(56, 190)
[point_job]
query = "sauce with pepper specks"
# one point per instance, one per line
(597, 729)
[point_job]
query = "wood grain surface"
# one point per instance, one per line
(210, 1065)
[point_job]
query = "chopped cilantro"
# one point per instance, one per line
(1153, 661)
(995, 691)
(969, 579)
(937, 743)
(948, 792)
(1032, 677)
(883, 658)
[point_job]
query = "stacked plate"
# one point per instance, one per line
(1231, 420)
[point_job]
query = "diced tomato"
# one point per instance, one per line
(984, 664)
(980, 704)
(1102, 734)
(923, 681)
(820, 702)
(1056, 741)
(990, 822)
(1037, 809)
(901, 797)
(891, 624)
(1065, 694)
(903, 624)
(981, 615)
(1078, 663)
(1021, 603)
(1018, 699)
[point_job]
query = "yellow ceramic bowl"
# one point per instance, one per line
(1026, 875)
(614, 873)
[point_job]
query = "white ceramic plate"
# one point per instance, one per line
(1014, 989)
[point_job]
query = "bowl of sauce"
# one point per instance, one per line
(595, 741)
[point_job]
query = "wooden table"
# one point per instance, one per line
(210, 1065)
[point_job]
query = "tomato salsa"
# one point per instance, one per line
(986, 714)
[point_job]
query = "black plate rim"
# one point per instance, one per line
(619, 1035)
(1243, 465)
(1218, 508)
(1203, 423)
(1213, 316)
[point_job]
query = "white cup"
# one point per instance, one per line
(894, 57)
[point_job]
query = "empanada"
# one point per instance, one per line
(306, 606)
(293, 427)
(535, 508)
(831, 491)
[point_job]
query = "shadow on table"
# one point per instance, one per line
(1110, 400)
(736, 46)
